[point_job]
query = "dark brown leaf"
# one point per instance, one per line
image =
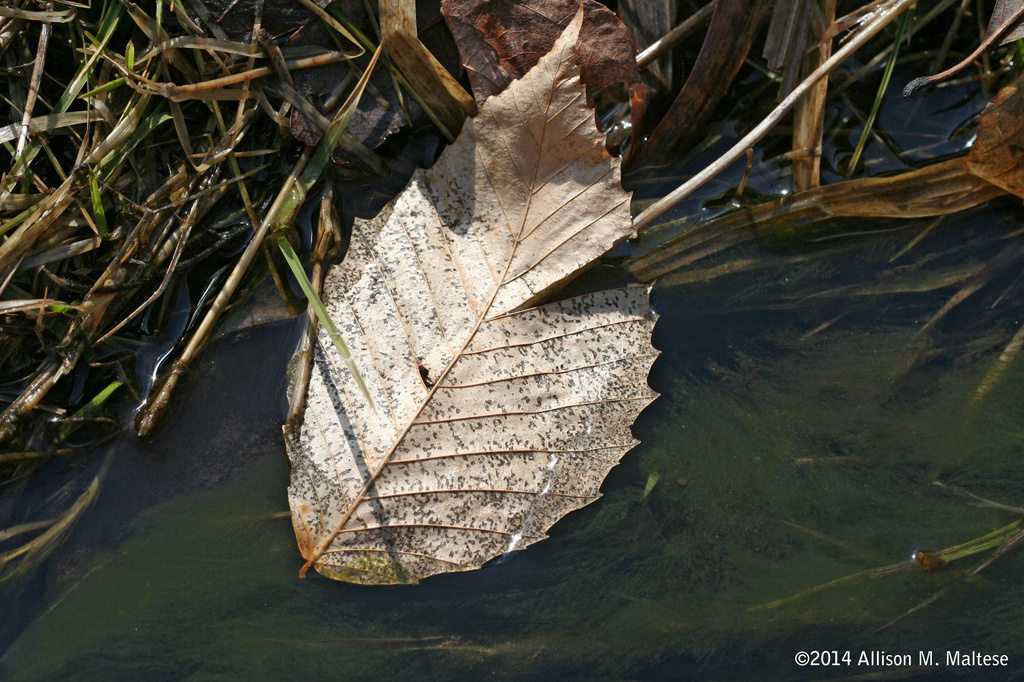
(1001, 13)
(371, 123)
(998, 153)
(500, 41)
(377, 117)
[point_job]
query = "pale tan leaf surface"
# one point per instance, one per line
(492, 419)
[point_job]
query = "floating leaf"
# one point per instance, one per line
(493, 419)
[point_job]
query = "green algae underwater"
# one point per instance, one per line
(785, 458)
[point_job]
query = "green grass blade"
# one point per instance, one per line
(321, 312)
(111, 164)
(882, 87)
(106, 87)
(285, 215)
(329, 142)
(98, 214)
(89, 410)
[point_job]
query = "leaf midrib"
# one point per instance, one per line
(481, 318)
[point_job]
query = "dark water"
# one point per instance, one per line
(186, 570)
(804, 420)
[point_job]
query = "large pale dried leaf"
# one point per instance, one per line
(998, 151)
(500, 41)
(491, 421)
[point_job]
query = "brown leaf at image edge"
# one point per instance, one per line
(997, 155)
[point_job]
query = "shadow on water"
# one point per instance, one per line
(229, 418)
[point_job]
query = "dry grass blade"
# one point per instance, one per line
(21, 560)
(1000, 366)
(217, 88)
(43, 124)
(981, 501)
(809, 113)
(49, 16)
(934, 190)
(22, 528)
(913, 86)
(211, 44)
(59, 253)
(448, 100)
(33, 89)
